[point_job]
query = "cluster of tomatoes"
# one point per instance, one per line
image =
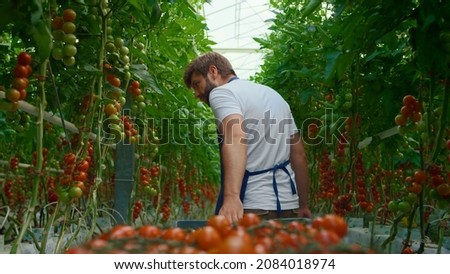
(362, 195)
(183, 190)
(14, 163)
(439, 181)
(64, 37)
(21, 73)
(130, 131)
(147, 178)
(343, 139)
(328, 187)
(16, 193)
(72, 183)
(250, 235)
(410, 110)
(135, 91)
(137, 208)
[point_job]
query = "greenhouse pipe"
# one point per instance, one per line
(32, 110)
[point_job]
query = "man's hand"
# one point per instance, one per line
(232, 209)
(304, 212)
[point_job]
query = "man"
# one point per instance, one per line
(260, 147)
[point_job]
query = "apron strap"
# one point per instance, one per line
(247, 174)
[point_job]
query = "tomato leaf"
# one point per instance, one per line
(311, 7)
(141, 72)
(43, 37)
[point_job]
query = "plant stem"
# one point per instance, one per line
(393, 232)
(39, 161)
(443, 122)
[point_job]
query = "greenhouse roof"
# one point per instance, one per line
(232, 25)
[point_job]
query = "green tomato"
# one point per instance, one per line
(70, 38)
(57, 54)
(124, 50)
(393, 206)
(347, 105)
(119, 42)
(348, 96)
(58, 35)
(75, 192)
(69, 50)
(140, 46)
(125, 59)
(404, 206)
(69, 61)
(65, 197)
(110, 47)
(134, 107)
(69, 27)
(142, 105)
(114, 119)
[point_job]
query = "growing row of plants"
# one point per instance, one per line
(110, 71)
(371, 80)
(134, 146)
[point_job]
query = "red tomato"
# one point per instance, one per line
(122, 231)
(24, 58)
(21, 71)
(135, 84)
(249, 219)
(174, 233)
(69, 15)
(335, 223)
(69, 158)
(221, 224)
(83, 166)
(57, 22)
(207, 237)
(234, 245)
(149, 231)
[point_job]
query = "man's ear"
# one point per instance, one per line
(214, 72)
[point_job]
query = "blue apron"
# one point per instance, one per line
(247, 174)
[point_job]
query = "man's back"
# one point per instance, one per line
(268, 125)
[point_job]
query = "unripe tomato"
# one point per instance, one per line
(124, 50)
(75, 192)
(58, 34)
(69, 27)
(69, 61)
(70, 38)
(64, 197)
(400, 120)
(69, 50)
(404, 206)
(12, 95)
(393, 206)
(119, 42)
(57, 53)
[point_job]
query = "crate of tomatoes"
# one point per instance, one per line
(251, 235)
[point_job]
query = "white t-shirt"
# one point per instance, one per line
(268, 126)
